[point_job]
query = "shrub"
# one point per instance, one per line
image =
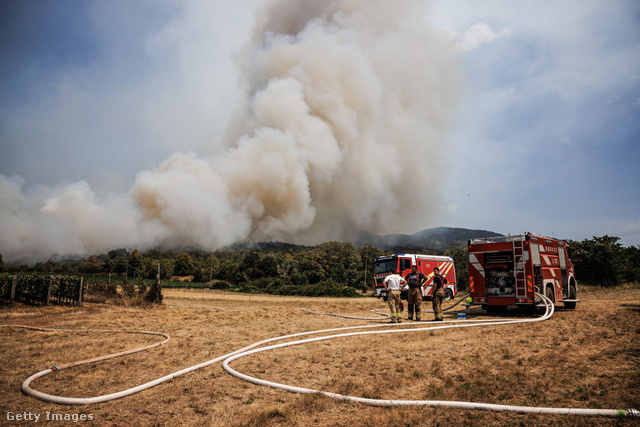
(140, 286)
(220, 285)
(326, 288)
(154, 296)
(100, 287)
(128, 289)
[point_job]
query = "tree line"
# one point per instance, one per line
(603, 261)
(327, 269)
(330, 268)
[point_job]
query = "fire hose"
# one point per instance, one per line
(251, 349)
(454, 404)
(376, 312)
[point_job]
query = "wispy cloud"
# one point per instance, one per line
(451, 208)
(479, 34)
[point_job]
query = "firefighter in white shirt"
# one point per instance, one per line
(393, 283)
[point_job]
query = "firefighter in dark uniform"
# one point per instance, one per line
(414, 297)
(439, 283)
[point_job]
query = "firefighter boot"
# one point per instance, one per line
(410, 316)
(417, 317)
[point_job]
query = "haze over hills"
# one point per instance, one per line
(436, 239)
(432, 239)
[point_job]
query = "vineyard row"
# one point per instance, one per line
(39, 289)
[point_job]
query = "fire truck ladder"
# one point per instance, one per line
(518, 268)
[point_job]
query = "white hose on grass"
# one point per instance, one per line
(246, 351)
(26, 385)
(345, 316)
(454, 404)
(84, 401)
(376, 312)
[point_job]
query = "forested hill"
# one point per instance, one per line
(433, 239)
(436, 239)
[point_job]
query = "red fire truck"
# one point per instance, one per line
(512, 270)
(401, 264)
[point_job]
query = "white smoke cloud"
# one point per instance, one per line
(347, 107)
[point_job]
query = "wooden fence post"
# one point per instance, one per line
(49, 291)
(14, 283)
(80, 290)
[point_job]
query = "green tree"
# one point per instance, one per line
(250, 265)
(368, 254)
(108, 265)
(212, 266)
(200, 275)
(184, 265)
(602, 261)
(229, 266)
(122, 266)
(341, 261)
(150, 268)
(309, 266)
(93, 265)
(49, 266)
(632, 272)
(118, 253)
(287, 266)
(166, 269)
(136, 264)
(1, 264)
(268, 265)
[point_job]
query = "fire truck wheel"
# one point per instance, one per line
(448, 295)
(548, 292)
(572, 295)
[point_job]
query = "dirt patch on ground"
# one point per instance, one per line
(587, 358)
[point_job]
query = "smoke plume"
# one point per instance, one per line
(348, 103)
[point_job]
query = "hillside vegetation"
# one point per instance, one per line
(339, 269)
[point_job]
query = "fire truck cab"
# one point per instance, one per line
(513, 270)
(401, 264)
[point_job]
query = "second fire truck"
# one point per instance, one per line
(401, 264)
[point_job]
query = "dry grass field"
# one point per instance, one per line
(587, 358)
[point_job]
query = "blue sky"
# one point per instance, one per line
(549, 135)
(546, 136)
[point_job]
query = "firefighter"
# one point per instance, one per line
(393, 283)
(415, 280)
(439, 283)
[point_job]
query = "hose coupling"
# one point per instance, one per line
(632, 413)
(55, 368)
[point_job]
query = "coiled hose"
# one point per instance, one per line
(251, 349)
(454, 404)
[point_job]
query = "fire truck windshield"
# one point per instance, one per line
(385, 265)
